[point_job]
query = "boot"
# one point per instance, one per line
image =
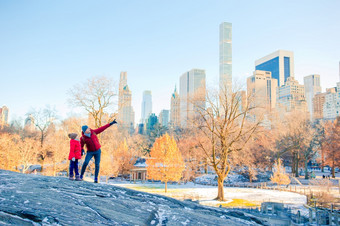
(71, 178)
(78, 178)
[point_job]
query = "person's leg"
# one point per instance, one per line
(97, 165)
(71, 170)
(76, 168)
(88, 157)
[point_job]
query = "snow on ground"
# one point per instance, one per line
(206, 194)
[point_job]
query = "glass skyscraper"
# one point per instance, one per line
(146, 105)
(225, 46)
(279, 63)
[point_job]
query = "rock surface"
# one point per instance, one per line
(40, 200)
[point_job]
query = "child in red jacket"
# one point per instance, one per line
(75, 154)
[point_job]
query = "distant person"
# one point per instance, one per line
(75, 154)
(89, 137)
(323, 176)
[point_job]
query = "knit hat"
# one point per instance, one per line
(73, 136)
(84, 128)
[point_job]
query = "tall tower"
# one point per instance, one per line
(146, 105)
(175, 110)
(192, 94)
(4, 115)
(126, 114)
(225, 46)
(312, 87)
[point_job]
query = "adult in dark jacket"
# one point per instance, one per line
(90, 139)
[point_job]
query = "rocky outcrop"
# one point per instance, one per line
(39, 200)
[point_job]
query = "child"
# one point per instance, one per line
(75, 154)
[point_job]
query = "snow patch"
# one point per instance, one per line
(185, 222)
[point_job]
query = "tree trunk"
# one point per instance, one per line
(166, 186)
(333, 169)
(322, 160)
(293, 164)
(306, 170)
(220, 195)
(297, 166)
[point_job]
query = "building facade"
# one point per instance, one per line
(175, 110)
(291, 96)
(126, 114)
(279, 63)
(225, 58)
(312, 87)
(4, 112)
(331, 108)
(192, 94)
(262, 89)
(146, 105)
(164, 118)
(318, 103)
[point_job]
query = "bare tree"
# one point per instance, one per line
(27, 153)
(331, 144)
(43, 121)
(97, 97)
(225, 125)
(295, 139)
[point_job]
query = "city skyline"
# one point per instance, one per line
(43, 59)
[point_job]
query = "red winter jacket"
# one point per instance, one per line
(92, 143)
(75, 150)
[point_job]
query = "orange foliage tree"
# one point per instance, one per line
(280, 176)
(165, 162)
(331, 144)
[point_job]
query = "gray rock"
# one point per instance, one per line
(39, 200)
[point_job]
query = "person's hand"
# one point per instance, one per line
(73, 159)
(82, 152)
(113, 122)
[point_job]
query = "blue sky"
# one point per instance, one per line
(47, 47)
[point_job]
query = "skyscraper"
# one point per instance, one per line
(146, 105)
(126, 114)
(331, 107)
(225, 46)
(192, 94)
(175, 110)
(164, 118)
(262, 88)
(279, 63)
(291, 96)
(4, 115)
(312, 87)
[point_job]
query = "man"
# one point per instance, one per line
(89, 137)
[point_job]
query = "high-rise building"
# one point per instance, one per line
(291, 96)
(318, 103)
(312, 87)
(225, 46)
(279, 63)
(152, 120)
(29, 123)
(146, 105)
(262, 88)
(331, 107)
(175, 110)
(164, 118)
(126, 114)
(192, 94)
(4, 111)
